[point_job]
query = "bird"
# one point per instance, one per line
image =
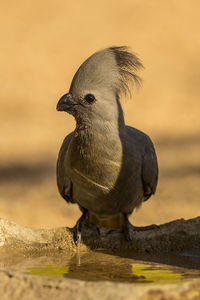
(104, 166)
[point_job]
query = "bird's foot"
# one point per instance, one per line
(78, 227)
(128, 229)
(78, 237)
(144, 228)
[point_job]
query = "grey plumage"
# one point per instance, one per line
(104, 166)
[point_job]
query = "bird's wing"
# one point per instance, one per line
(149, 166)
(63, 180)
(149, 169)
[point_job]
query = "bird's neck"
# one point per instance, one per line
(91, 124)
(98, 129)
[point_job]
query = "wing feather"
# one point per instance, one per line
(149, 170)
(63, 180)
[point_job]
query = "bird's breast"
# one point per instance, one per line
(96, 162)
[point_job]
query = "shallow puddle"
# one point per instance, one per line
(137, 273)
(101, 265)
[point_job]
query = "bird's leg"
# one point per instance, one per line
(78, 226)
(127, 228)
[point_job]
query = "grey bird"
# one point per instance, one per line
(104, 166)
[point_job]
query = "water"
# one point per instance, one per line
(101, 265)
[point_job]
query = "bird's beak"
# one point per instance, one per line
(66, 103)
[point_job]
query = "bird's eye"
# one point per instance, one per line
(90, 98)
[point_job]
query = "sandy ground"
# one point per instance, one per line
(42, 44)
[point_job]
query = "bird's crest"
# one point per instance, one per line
(128, 64)
(113, 67)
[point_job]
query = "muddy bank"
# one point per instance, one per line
(177, 236)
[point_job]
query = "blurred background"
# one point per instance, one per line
(42, 45)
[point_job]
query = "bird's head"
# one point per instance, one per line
(98, 83)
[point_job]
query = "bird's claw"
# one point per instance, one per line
(78, 227)
(144, 228)
(78, 238)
